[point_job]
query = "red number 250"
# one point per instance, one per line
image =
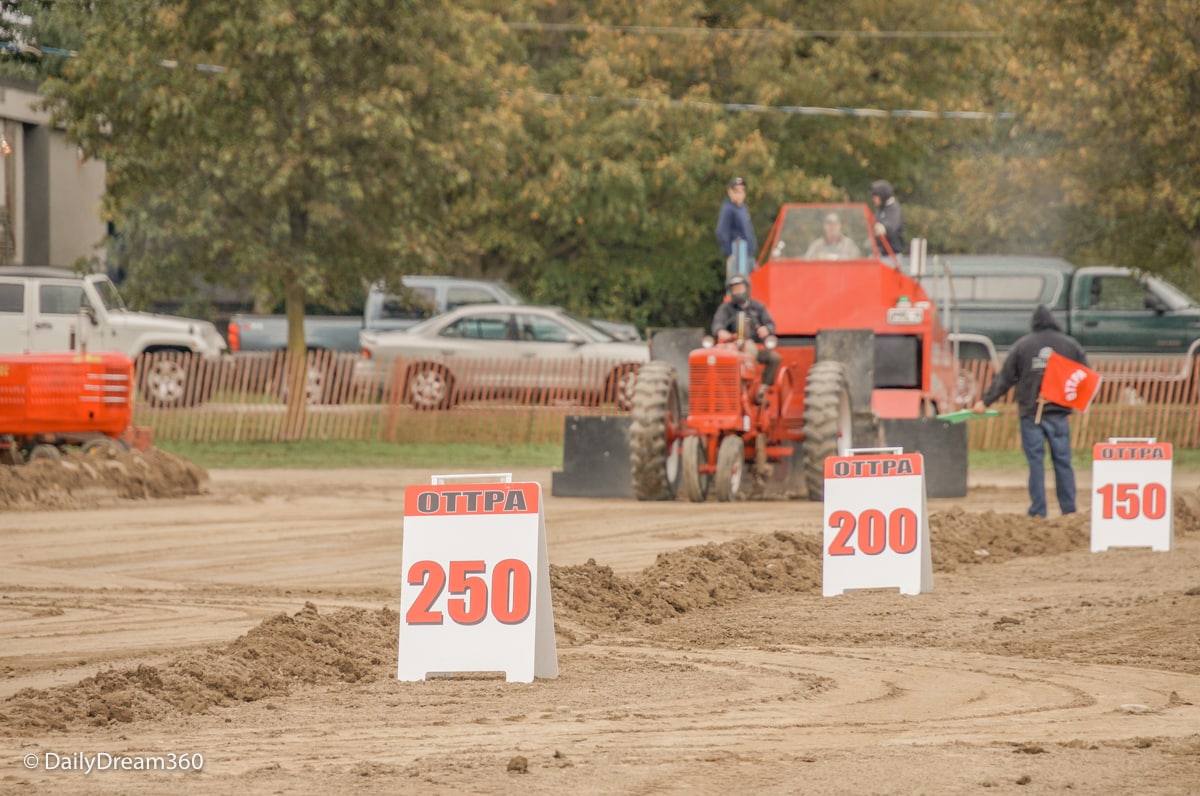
(468, 604)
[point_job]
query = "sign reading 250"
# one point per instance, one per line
(507, 597)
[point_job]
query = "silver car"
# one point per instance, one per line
(485, 351)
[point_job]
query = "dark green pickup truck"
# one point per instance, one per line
(1109, 310)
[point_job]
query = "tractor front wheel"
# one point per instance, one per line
(695, 456)
(654, 441)
(827, 422)
(731, 462)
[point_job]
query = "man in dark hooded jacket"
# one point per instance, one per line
(1024, 367)
(889, 220)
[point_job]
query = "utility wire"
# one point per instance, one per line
(798, 110)
(663, 30)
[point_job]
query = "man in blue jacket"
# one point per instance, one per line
(733, 225)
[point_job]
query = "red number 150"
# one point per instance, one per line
(1124, 500)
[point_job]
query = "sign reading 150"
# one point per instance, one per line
(1125, 501)
(876, 532)
(511, 589)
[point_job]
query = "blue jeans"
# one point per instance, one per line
(1053, 429)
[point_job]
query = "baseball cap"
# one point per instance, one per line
(736, 181)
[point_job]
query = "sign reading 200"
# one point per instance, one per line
(876, 532)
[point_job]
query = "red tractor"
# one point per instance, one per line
(865, 363)
(49, 402)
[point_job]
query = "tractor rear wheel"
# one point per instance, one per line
(694, 456)
(654, 441)
(731, 462)
(827, 422)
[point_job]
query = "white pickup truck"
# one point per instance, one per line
(55, 309)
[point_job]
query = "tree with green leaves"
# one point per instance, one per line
(301, 147)
(1104, 145)
(37, 38)
(635, 124)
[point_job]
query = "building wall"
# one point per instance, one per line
(76, 190)
(49, 195)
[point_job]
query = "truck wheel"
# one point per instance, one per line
(654, 442)
(165, 381)
(692, 456)
(619, 386)
(430, 387)
(731, 462)
(827, 422)
(44, 451)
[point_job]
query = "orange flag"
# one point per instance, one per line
(1068, 383)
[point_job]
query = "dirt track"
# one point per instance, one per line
(255, 624)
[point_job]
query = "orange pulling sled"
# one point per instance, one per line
(51, 401)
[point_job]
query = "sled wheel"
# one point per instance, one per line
(44, 451)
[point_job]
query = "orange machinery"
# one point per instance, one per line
(866, 362)
(54, 400)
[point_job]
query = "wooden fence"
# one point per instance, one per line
(241, 400)
(494, 401)
(1147, 397)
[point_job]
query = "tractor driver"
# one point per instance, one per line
(832, 245)
(758, 322)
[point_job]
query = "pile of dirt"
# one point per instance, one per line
(77, 481)
(308, 648)
(687, 580)
(959, 537)
(714, 575)
(354, 645)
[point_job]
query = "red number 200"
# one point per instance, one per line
(897, 532)
(511, 591)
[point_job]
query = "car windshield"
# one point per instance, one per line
(831, 232)
(516, 297)
(585, 328)
(1176, 299)
(594, 332)
(109, 296)
(429, 323)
